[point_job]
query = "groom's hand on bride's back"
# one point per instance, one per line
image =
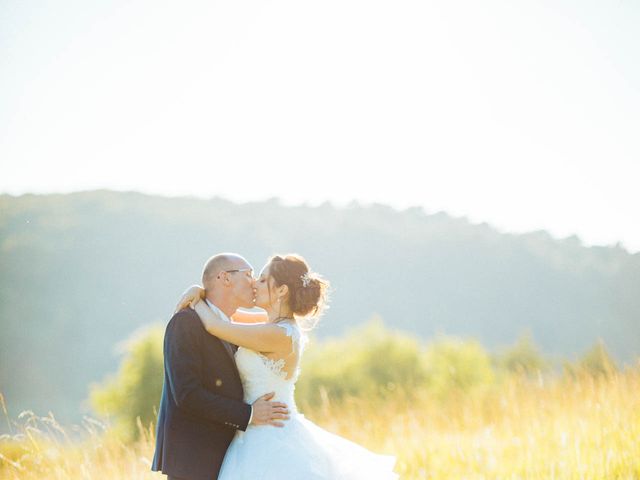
(266, 412)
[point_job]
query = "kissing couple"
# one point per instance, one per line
(227, 409)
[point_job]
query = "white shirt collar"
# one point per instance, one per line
(217, 311)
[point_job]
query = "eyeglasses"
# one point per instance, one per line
(250, 270)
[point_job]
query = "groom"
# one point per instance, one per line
(201, 406)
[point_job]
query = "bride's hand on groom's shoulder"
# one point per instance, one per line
(190, 297)
(266, 412)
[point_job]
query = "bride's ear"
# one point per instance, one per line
(283, 291)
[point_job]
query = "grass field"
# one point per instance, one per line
(581, 428)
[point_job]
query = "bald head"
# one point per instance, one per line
(219, 263)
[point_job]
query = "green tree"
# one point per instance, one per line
(523, 357)
(134, 392)
(457, 366)
(597, 361)
(368, 361)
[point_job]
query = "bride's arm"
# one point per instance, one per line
(265, 337)
(249, 317)
(195, 292)
(189, 298)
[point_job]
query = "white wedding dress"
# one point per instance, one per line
(300, 450)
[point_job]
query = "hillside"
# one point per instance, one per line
(80, 272)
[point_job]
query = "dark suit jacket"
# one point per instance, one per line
(201, 405)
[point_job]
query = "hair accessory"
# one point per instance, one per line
(306, 280)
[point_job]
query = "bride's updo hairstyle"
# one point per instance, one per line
(308, 291)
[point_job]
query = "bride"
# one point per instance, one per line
(268, 359)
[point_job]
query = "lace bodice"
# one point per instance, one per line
(260, 374)
(300, 449)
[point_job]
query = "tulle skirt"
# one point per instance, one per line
(301, 451)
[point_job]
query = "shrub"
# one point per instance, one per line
(456, 366)
(596, 362)
(368, 361)
(134, 392)
(522, 358)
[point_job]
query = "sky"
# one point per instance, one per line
(524, 115)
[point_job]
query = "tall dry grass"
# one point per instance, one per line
(582, 428)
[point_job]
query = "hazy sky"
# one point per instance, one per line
(523, 114)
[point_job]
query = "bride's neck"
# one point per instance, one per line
(275, 314)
